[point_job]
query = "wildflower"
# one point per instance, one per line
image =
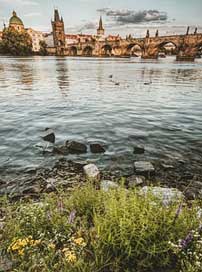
(184, 243)
(51, 246)
(60, 206)
(70, 256)
(79, 241)
(72, 217)
(36, 242)
(21, 252)
(178, 212)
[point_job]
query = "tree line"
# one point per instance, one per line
(16, 43)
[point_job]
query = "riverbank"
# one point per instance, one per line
(66, 174)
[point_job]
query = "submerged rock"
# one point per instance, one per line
(138, 149)
(76, 147)
(106, 185)
(49, 136)
(97, 148)
(91, 171)
(167, 195)
(144, 168)
(61, 150)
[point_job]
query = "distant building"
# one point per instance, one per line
(58, 33)
(36, 37)
(17, 24)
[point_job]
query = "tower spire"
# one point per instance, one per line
(100, 30)
(100, 24)
(56, 16)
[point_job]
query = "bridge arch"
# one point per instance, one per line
(87, 51)
(199, 50)
(106, 50)
(168, 48)
(73, 51)
(134, 49)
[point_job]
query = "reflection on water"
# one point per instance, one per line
(157, 104)
(62, 75)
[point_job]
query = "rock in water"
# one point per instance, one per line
(91, 171)
(49, 136)
(144, 168)
(106, 185)
(97, 148)
(167, 195)
(138, 149)
(76, 147)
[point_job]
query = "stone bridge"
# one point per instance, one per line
(187, 46)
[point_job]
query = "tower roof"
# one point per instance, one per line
(56, 15)
(100, 24)
(15, 20)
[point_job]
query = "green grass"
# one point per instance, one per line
(112, 231)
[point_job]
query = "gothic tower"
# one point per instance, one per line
(58, 33)
(100, 30)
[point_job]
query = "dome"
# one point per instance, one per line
(15, 20)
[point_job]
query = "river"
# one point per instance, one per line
(156, 103)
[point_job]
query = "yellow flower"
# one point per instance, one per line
(21, 252)
(51, 246)
(80, 242)
(36, 242)
(70, 256)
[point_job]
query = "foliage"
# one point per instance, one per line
(43, 48)
(15, 43)
(92, 230)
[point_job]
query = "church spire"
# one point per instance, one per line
(100, 30)
(100, 24)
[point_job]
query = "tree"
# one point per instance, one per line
(43, 48)
(15, 43)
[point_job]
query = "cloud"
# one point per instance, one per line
(133, 17)
(19, 2)
(89, 25)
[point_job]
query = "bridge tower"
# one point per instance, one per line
(58, 33)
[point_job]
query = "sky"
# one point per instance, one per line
(121, 15)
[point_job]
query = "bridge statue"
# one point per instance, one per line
(157, 33)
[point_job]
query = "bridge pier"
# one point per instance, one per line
(150, 51)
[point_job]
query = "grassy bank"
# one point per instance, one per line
(91, 230)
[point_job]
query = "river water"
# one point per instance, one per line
(157, 104)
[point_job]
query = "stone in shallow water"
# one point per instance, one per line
(76, 147)
(134, 181)
(106, 185)
(144, 168)
(91, 171)
(49, 135)
(97, 148)
(138, 149)
(167, 195)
